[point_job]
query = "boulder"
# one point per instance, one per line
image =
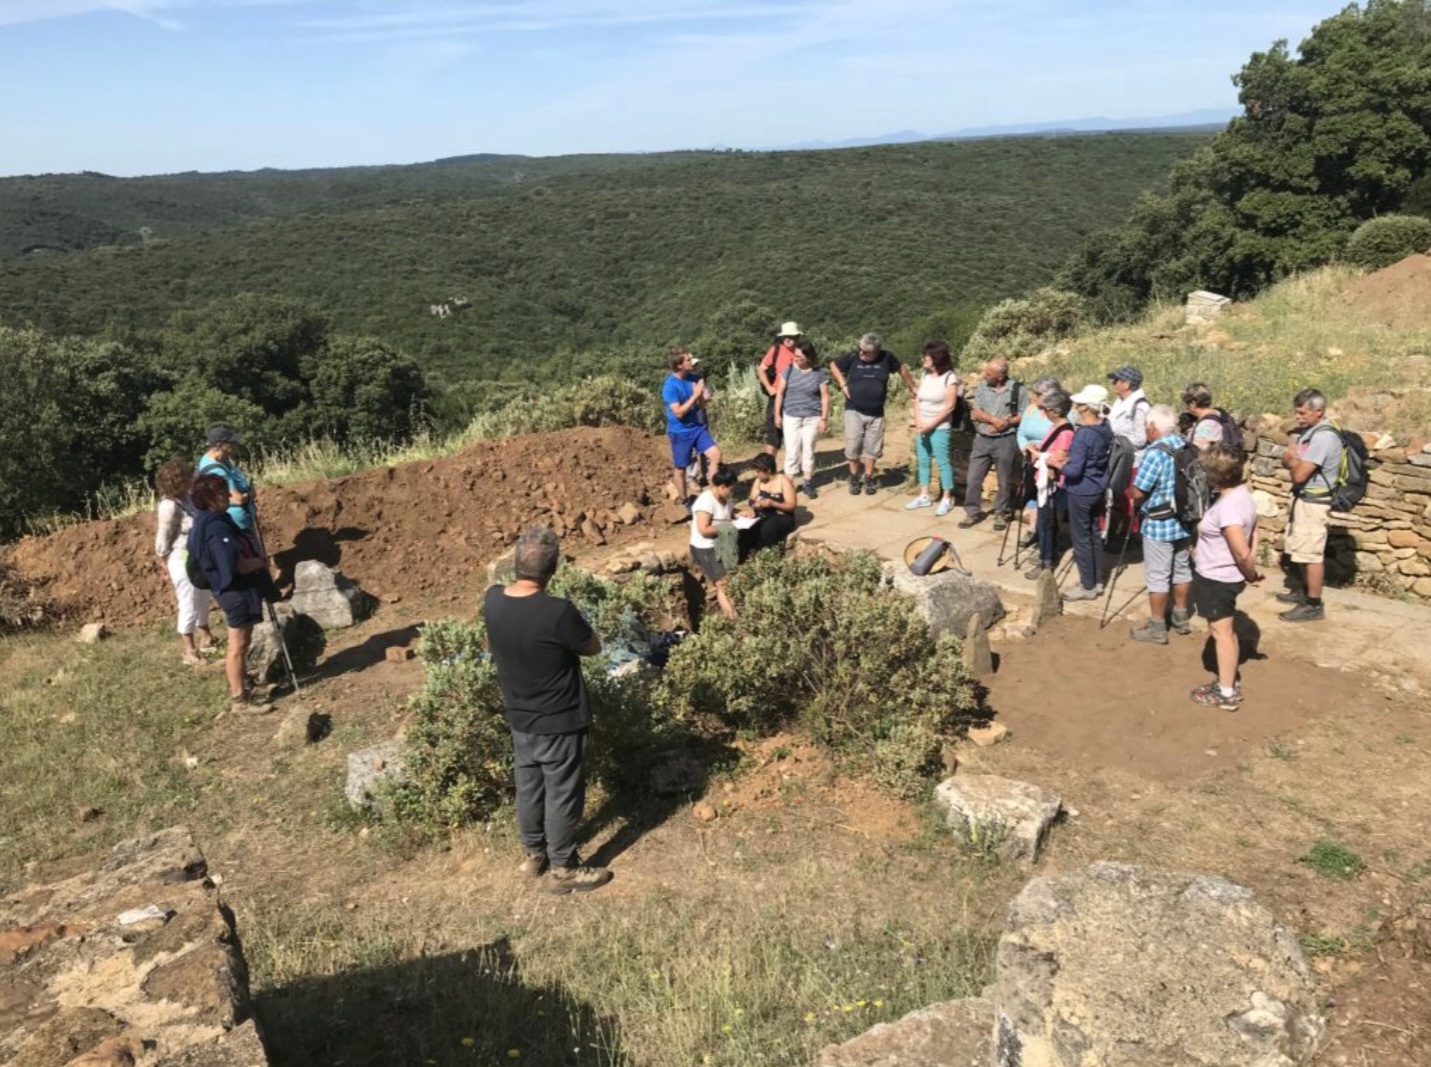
(370, 768)
(1048, 603)
(92, 633)
(302, 727)
(978, 656)
(1125, 966)
(998, 814)
(948, 600)
(302, 635)
(326, 597)
(957, 1033)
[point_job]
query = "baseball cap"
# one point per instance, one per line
(223, 435)
(1127, 373)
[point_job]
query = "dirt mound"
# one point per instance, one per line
(1398, 296)
(422, 531)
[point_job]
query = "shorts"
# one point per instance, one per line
(241, 607)
(864, 436)
(1215, 600)
(709, 562)
(686, 444)
(1166, 563)
(773, 437)
(1306, 540)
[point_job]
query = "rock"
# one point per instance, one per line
(998, 814)
(991, 734)
(628, 514)
(651, 563)
(978, 657)
(675, 514)
(88, 814)
(704, 812)
(240, 1047)
(112, 1052)
(1414, 568)
(1422, 587)
(1266, 504)
(1402, 539)
(1126, 966)
(1204, 306)
(948, 600)
(325, 596)
(592, 532)
(398, 654)
(677, 773)
(957, 1033)
(373, 767)
(1048, 603)
(92, 633)
(301, 727)
(303, 636)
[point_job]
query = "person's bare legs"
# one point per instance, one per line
(1182, 595)
(1314, 574)
(678, 478)
(1158, 607)
(1224, 639)
(236, 661)
(723, 600)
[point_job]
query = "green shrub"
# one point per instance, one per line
(738, 411)
(1017, 328)
(606, 400)
(824, 646)
(1388, 239)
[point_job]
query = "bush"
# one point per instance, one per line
(1388, 239)
(824, 645)
(738, 411)
(606, 400)
(1017, 328)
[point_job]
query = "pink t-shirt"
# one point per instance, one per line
(1233, 507)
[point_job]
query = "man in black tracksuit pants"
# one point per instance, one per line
(537, 642)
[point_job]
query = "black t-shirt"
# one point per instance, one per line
(868, 382)
(534, 640)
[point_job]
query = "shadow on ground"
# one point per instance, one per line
(463, 1008)
(362, 656)
(315, 542)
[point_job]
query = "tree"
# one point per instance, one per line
(363, 390)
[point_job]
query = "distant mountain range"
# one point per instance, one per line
(1212, 117)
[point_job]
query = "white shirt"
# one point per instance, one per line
(718, 512)
(1128, 419)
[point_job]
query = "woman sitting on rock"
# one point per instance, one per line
(772, 505)
(238, 577)
(175, 518)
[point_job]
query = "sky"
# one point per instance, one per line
(158, 86)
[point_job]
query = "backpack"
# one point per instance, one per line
(1352, 475)
(1192, 496)
(193, 570)
(1121, 455)
(1231, 432)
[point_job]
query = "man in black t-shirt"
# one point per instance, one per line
(863, 376)
(537, 642)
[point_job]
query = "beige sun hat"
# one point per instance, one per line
(1091, 395)
(789, 329)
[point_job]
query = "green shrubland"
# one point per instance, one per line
(1384, 240)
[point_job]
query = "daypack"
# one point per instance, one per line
(1192, 496)
(1352, 475)
(1231, 432)
(1121, 455)
(192, 570)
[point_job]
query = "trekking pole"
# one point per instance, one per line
(1025, 477)
(1003, 544)
(272, 611)
(1112, 579)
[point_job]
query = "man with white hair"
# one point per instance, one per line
(998, 407)
(1314, 459)
(1167, 566)
(863, 377)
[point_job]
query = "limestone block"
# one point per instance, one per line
(1126, 966)
(978, 656)
(301, 634)
(1009, 817)
(957, 1033)
(370, 768)
(327, 597)
(948, 600)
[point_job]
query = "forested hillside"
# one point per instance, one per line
(581, 253)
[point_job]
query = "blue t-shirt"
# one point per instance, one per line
(242, 514)
(677, 391)
(1033, 427)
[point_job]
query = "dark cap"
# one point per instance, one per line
(1127, 373)
(223, 435)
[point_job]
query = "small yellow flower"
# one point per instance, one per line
(809, 1016)
(726, 1028)
(514, 1054)
(847, 1007)
(468, 1042)
(879, 1003)
(861, 1003)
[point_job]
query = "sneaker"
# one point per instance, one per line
(854, 485)
(921, 501)
(1036, 572)
(1083, 593)
(534, 865)
(1151, 633)
(1001, 523)
(870, 488)
(249, 703)
(1181, 622)
(1028, 540)
(1304, 613)
(1210, 696)
(808, 488)
(944, 508)
(970, 521)
(578, 879)
(1291, 596)
(193, 659)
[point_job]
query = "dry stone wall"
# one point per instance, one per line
(1384, 544)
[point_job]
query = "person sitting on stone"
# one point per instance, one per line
(772, 506)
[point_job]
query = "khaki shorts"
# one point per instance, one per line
(864, 436)
(1306, 540)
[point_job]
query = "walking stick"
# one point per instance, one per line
(1003, 544)
(272, 611)
(1112, 578)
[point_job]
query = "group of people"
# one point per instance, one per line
(208, 543)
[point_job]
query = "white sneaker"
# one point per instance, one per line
(944, 508)
(921, 501)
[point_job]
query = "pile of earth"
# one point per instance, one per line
(1397, 297)
(423, 531)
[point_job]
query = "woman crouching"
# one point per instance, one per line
(713, 536)
(238, 577)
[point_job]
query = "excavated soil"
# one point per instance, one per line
(422, 531)
(1398, 296)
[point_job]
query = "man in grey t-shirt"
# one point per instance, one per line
(997, 409)
(1314, 459)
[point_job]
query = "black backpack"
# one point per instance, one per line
(192, 568)
(1231, 432)
(1352, 476)
(1120, 464)
(1192, 496)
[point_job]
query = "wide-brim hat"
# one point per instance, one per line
(789, 329)
(918, 545)
(1091, 395)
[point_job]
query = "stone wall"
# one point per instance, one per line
(1384, 544)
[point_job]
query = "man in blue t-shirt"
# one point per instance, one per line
(223, 444)
(684, 399)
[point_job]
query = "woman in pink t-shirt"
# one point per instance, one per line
(1224, 561)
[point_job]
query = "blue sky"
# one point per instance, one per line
(154, 86)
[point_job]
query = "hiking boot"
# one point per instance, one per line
(1211, 696)
(870, 487)
(249, 703)
(808, 488)
(1028, 540)
(1181, 622)
(1304, 613)
(1084, 593)
(578, 879)
(854, 485)
(1001, 523)
(921, 501)
(1291, 596)
(968, 522)
(534, 865)
(1151, 632)
(1036, 572)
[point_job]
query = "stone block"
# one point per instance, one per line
(998, 814)
(957, 1033)
(92, 633)
(978, 656)
(301, 635)
(371, 768)
(948, 600)
(326, 597)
